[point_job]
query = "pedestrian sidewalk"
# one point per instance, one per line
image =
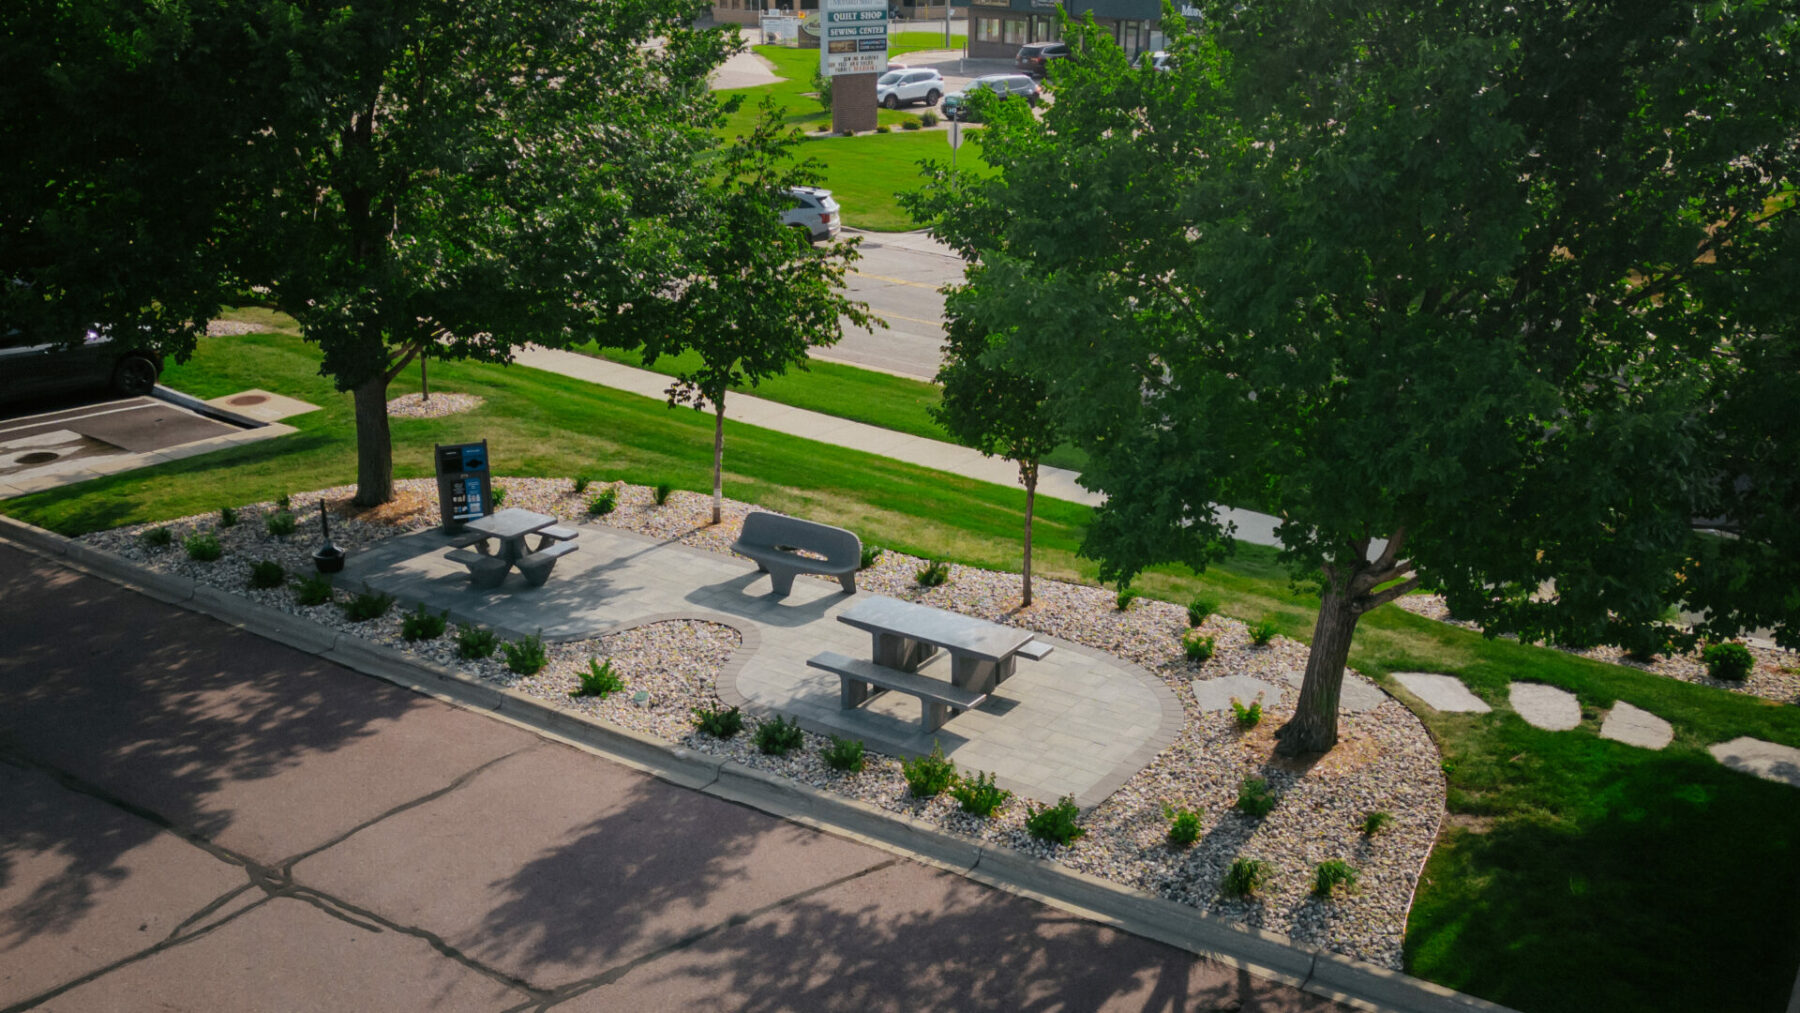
(1058, 483)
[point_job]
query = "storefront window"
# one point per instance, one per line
(1015, 30)
(987, 29)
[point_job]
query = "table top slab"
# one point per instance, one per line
(956, 633)
(510, 523)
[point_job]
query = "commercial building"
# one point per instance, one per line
(997, 28)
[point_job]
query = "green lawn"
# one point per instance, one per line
(866, 171)
(1575, 873)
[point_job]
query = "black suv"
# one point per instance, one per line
(1033, 57)
(32, 369)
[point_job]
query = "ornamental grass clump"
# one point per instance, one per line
(267, 573)
(312, 591)
(870, 555)
(203, 547)
(1376, 822)
(935, 573)
(1200, 608)
(1247, 876)
(367, 605)
(779, 737)
(1184, 827)
(603, 503)
(599, 680)
(580, 483)
(929, 776)
(979, 795)
(1262, 632)
(661, 495)
(280, 524)
(1255, 797)
(1125, 597)
(228, 517)
(1056, 823)
(720, 724)
(1198, 646)
(474, 643)
(1332, 877)
(526, 655)
(845, 755)
(158, 538)
(422, 624)
(1247, 717)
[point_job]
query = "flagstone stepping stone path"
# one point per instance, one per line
(1767, 760)
(1545, 707)
(1636, 727)
(1442, 692)
(1216, 694)
(1357, 695)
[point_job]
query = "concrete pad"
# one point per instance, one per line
(260, 748)
(1442, 692)
(1545, 707)
(1636, 727)
(1767, 760)
(1355, 695)
(555, 886)
(909, 938)
(1216, 694)
(84, 884)
(262, 405)
(289, 955)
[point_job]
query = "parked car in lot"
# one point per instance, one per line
(814, 211)
(906, 87)
(1155, 59)
(1033, 57)
(32, 368)
(1002, 85)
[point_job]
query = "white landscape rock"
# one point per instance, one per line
(1636, 727)
(1768, 760)
(1443, 692)
(1545, 707)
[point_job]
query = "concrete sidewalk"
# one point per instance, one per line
(1057, 483)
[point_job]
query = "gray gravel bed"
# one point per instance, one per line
(1385, 760)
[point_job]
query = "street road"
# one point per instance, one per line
(899, 277)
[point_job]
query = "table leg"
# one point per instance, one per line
(972, 673)
(512, 549)
(903, 653)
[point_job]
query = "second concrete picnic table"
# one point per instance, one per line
(510, 527)
(982, 654)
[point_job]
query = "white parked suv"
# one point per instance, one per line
(904, 87)
(814, 211)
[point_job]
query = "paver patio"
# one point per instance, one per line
(1076, 723)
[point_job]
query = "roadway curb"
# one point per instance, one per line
(1268, 954)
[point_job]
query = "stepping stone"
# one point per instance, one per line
(1442, 692)
(1767, 760)
(1545, 707)
(1636, 727)
(1357, 695)
(1216, 694)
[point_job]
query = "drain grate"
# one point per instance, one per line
(38, 457)
(247, 399)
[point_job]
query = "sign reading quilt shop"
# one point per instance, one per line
(855, 39)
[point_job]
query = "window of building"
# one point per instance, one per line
(1015, 30)
(987, 29)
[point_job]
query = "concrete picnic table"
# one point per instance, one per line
(982, 654)
(511, 527)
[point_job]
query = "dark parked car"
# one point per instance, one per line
(31, 368)
(1033, 57)
(1003, 85)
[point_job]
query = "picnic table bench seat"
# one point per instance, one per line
(537, 566)
(484, 570)
(771, 540)
(859, 680)
(1035, 650)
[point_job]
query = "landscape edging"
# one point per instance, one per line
(1329, 975)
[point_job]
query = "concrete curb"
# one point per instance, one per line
(1268, 954)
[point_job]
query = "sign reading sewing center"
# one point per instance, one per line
(853, 45)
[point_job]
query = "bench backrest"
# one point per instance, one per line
(835, 544)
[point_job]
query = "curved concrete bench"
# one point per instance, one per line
(770, 540)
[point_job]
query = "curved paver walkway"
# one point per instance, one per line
(1077, 723)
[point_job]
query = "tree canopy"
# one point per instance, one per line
(1476, 297)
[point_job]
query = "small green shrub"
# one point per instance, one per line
(1197, 646)
(284, 503)
(1126, 596)
(499, 496)
(311, 591)
(599, 680)
(1247, 717)
(581, 482)
(870, 554)
(1246, 876)
(936, 573)
(280, 524)
(1184, 827)
(420, 624)
(1376, 822)
(929, 776)
(661, 495)
(203, 547)
(1262, 632)
(846, 755)
(227, 517)
(720, 724)
(910, 125)
(367, 605)
(928, 118)
(267, 573)
(779, 737)
(1328, 876)
(979, 796)
(526, 655)
(883, 129)
(1255, 797)
(1056, 823)
(158, 538)
(604, 503)
(1731, 661)
(823, 128)
(1200, 608)
(472, 642)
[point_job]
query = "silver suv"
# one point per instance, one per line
(1000, 84)
(814, 211)
(906, 86)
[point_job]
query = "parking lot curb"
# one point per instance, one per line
(1328, 975)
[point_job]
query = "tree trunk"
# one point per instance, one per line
(424, 381)
(1313, 729)
(374, 448)
(1028, 473)
(718, 457)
